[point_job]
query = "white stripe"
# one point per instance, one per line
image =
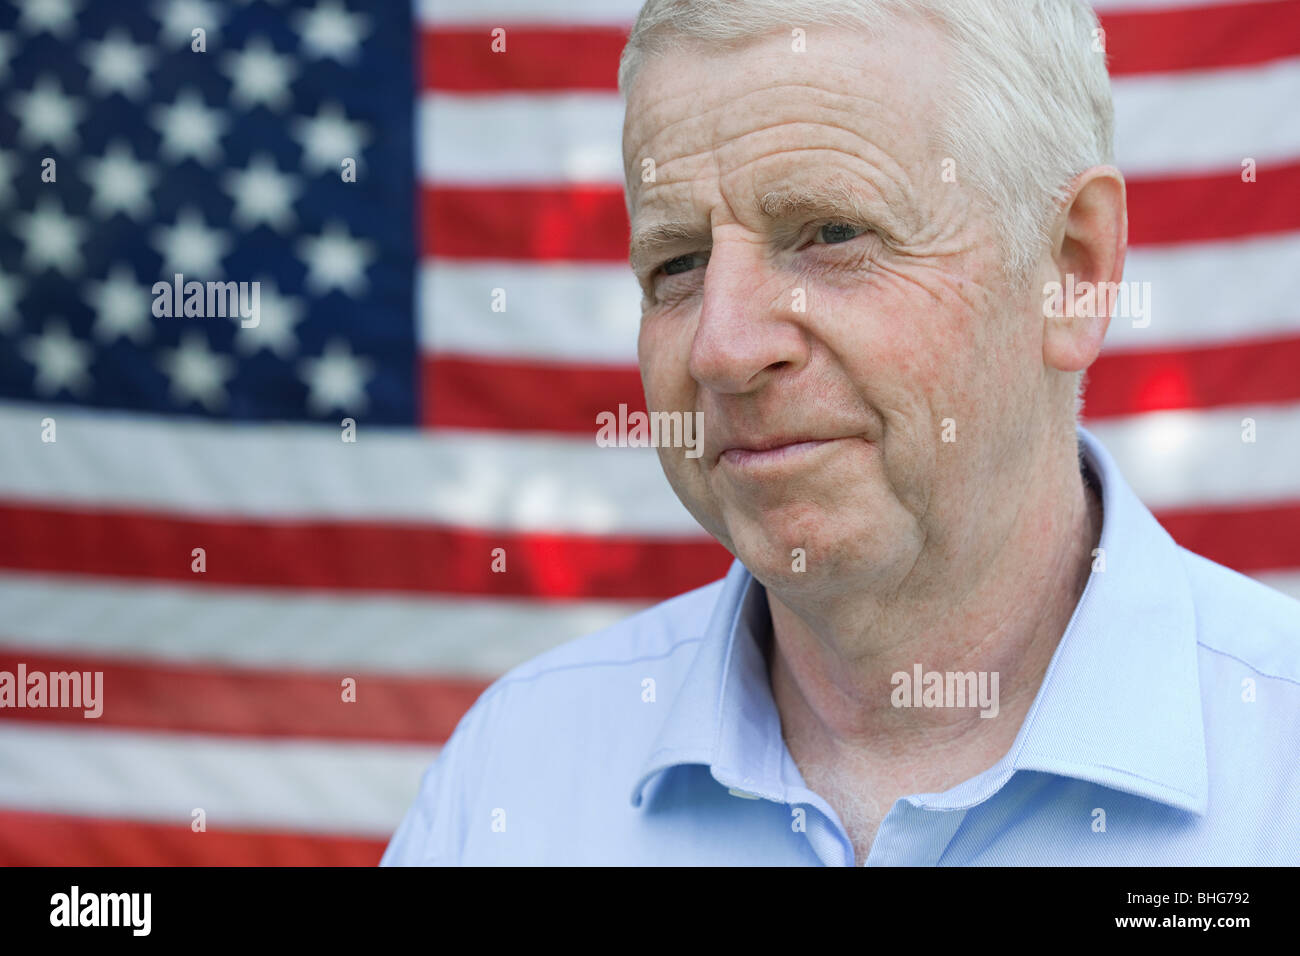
(1164, 123)
(559, 313)
(568, 137)
(485, 480)
(315, 632)
(336, 788)
(506, 12)
(1206, 121)
(1212, 292)
(1179, 458)
(1200, 294)
(1185, 458)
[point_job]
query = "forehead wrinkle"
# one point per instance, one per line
(836, 113)
(836, 194)
(723, 118)
(885, 175)
(729, 132)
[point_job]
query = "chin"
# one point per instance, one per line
(789, 550)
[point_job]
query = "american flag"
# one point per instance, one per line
(464, 300)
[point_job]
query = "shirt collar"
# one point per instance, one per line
(724, 715)
(1120, 704)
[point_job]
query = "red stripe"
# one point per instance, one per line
(589, 222)
(253, 703)
(1257, 372)
(1250, 540)
(146, 546)
(354, 556)
(518, 395)
(499, 395)
(1201, 38)
(535, 59)
(1214, 206)
(50, 839)
(547, 59)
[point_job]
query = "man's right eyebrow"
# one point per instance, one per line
(648, 240)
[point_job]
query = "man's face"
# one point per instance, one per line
(825, 345)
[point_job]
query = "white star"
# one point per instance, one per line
(262, 194)
(336, 380)
(11, 290)
(7, 170)
(180, 17)
(277, 316)
(52, 237)
(197, 373)
(61, 361)
(260, 75)
(122, 306)
(335, 260)
(328, 30)
(328, 138)
(189, 128)
(47, 115)
(55, 16)
(121, 183)
(117, 65)
(6, 54)
(190, 247)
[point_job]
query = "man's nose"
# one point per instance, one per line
(749, 324)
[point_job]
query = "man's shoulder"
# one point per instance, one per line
(657, 643)
(1243, 619)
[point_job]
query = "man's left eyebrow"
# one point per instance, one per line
(829, 198)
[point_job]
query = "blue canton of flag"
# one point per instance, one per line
(139, 142)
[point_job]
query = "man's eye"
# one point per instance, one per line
(836, 232)
(679, 265)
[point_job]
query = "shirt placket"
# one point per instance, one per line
(912, 835)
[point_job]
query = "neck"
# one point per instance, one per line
(833, 663)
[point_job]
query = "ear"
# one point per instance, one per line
(1088, 241)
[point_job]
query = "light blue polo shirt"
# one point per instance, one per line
(1166, 732)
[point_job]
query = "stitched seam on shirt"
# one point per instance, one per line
(700, 750)
(1120, 770)
(525, 678)
(1234, 657)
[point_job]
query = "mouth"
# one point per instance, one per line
(772, 455)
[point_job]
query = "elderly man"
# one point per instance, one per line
(952, 634)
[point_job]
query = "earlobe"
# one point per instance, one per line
(1089, 241)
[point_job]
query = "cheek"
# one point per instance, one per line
(663, 355)
(903, 345)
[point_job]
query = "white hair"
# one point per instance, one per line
(1030, 107)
